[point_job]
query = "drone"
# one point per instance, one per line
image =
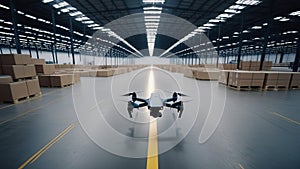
(155, 103)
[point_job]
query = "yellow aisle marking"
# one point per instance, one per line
(241, 166)
(152, 155)
(286, 118)
(33, 158)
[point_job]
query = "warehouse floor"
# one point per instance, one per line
(255, 130)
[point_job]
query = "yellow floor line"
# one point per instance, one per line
(286, 118)
(241, 166)
(34, 157)
(152, 156)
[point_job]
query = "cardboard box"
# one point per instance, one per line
(223, 77)
(38, 61)
(33, 87)
(15, 59)
(45, 69)
(76, 78)
(44, 80)
(61, 80)
(29, 71)
(15, 71)
(271, 82)
(105, 73)
(241, 83)
(93, 73)
(207, 75)
(13, 91)
(242, 75)
(5, 79)
(259, 83)
(258, 75)
(283, 83)
(271, 76)
(284, 76)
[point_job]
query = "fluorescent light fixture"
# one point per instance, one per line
(93, 25)
(152, 8)
(152, 17)
(248, 2)
(297, 13)
(256, 27)
(88, 22)
(216, 20)
(226, 37)
(265, 24)
(75, 13)
(9, 23)
(47, 1)
(151, 24)
(29, 16)
(232, 11)
(236, 33)
(97, 28)
(245, 31)
(3, 6)
(209, 25)
(152, 12)
(204, 27)
(225, 15)
(60, 5)
(277, 18)
(284, 19)
(20, 12)
(238, 7)
(82, 18)
(153, 1)
(64, 10)
(151, 20)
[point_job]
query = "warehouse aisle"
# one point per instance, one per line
(256, 130)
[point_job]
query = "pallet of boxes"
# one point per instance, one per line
(18, 79)
(48, 78)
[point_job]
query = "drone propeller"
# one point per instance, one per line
(132, 93)
(181, 94)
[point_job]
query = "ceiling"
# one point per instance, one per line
(197, 12)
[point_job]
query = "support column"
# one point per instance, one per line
(72, 40)
(281, 56)
(240, 41)
(218, 43)
(297, 58)
(15, 25)
(54, 51)
(29, 48)
(263, 54)
(37, 51)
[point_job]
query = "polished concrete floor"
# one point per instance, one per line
(239, 129)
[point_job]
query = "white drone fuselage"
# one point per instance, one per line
(155, 104)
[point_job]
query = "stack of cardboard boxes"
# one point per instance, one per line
(295, 80)
(20, 81)
(48, 78)
(277, 80)
(260, 79)
(255, 65)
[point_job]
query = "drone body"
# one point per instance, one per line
(155, 103)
